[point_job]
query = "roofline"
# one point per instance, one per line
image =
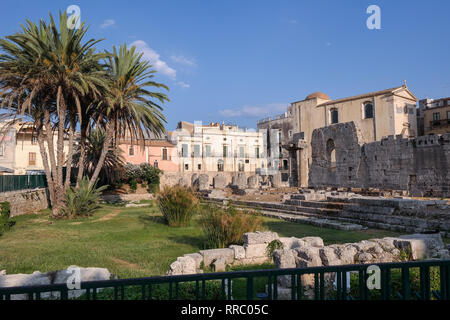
(368, 95)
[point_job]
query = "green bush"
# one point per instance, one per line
(6, 222)
(272, 246)
(224, 226)
(82, 201)
(177, 204)
(133, 185)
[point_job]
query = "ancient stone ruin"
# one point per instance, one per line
(420, 166)
(310, 252)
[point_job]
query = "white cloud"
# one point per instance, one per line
(154, 58)
(183, 84)
(255, 111)
(293, 21)
(328, 44)
(183, 61)
(108, 23)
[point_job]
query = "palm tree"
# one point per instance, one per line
(45, 72)
(131, 111)
(114, 161)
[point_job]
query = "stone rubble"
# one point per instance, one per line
(311, 252)
(58, 277)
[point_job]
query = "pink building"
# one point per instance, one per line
(158, 153)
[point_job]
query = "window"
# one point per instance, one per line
(280, 135)
(285, 165)
(1, 151)
(208, 150)
(225, 151)
(32, 158)
(155, 164)
(34, 140)
(448, 117)
(241, 166)
(196, 150)
(290, 133)
(334, 116)
(368, 110)
(186, 167)
(257, 152)
(184, 150)
(220, 165)
(131, 151)
(241, 152)
(164, 154)
(199, 166)
(436, 116)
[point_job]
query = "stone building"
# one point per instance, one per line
(378, 114)
(434, 116)
(158, 152)
(218, 148)
(19, 150)
(420, 166)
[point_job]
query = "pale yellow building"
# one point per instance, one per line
(435, 116)
(377, 114)
(27, 155)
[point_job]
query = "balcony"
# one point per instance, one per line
(439, 123)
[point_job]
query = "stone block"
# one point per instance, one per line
(210, 255)
(259, 237)
(198, 258)
(239, 252)
(255, 250)
(219, 181)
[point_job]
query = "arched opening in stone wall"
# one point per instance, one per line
(331, 155)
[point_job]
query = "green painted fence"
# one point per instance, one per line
(421, 280)
(22, 182)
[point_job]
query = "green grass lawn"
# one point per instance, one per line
(130, 242)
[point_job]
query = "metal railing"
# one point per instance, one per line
(22, 182)
(423, 280)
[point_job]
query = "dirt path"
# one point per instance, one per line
(110, 216)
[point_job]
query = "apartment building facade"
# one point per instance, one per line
(434, 116)
(218, 148)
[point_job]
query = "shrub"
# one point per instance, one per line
(224, 226)
(133, 185)
(133, 172)
(150, 175)
(177, 204)
(272, 246)
(6, 222)
(82, 201)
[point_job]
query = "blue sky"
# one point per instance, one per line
(240, 61)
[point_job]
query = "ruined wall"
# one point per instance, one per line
(420, 166)
(26, 201)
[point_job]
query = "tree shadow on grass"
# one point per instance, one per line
(148, 220)
(198, 242)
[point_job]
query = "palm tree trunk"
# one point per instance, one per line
(106, 146)
(51, 176)
(83, 136)
(48, 174)
(69, 155)
(59, 186)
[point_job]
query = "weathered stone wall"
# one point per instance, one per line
(420, 166)
(26, 201)
(191, 179)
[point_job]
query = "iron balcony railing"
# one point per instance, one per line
(395, 279)
(439, 123)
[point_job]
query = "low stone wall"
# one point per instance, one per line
(252, 252)
(26, 201)
(127, 197)
(310, 252)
